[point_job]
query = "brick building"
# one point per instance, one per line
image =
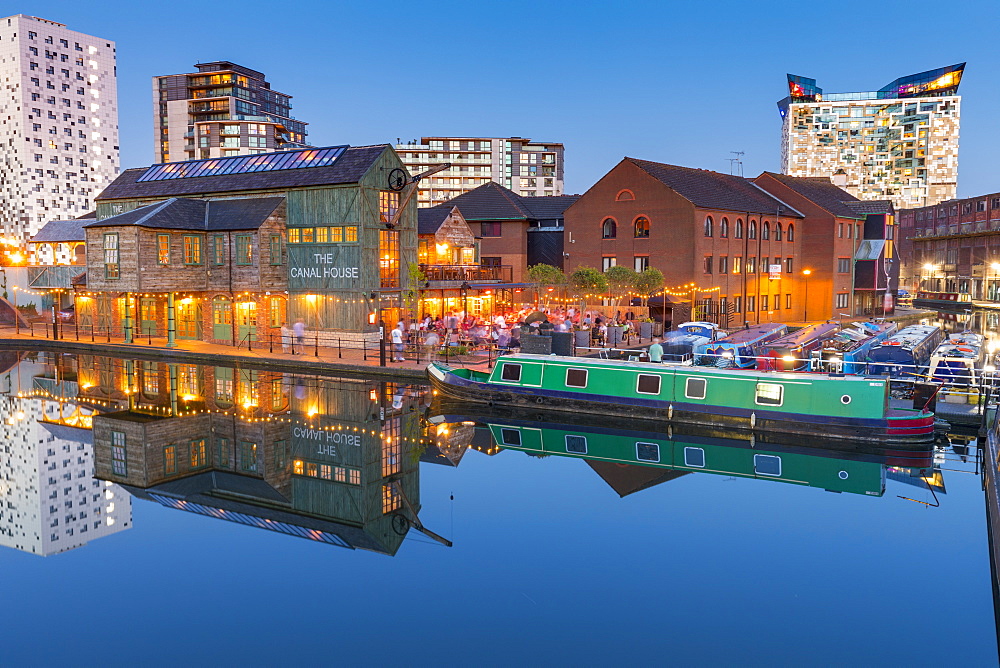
(953, 246)
(735, 242)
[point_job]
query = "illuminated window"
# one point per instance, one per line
(609, 228)
(769, 394)
(198, 458)
(244, 249)
(326, 472)
(163, 248)
(388, 254)
(353, 477)
(308, 235)
(641, 226)
(322, 235)
(390, 498)
(111, 268)
(192, 249)
(388, 203)
(351, 234)
(118, 459)
(294, 235)
(170, 459)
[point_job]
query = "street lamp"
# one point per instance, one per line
(930, 269)
(805, 310)
(991, 294)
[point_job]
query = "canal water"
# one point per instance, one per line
(163, 513)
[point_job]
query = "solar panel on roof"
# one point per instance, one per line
(243, 164)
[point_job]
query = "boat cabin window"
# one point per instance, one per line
(576, 444)
(511, 372)
(648, 384)
(767, 465)
(576, 378)
(694, 388)
(510, 437)
(694, 457)
(770, 394)
(647, 452)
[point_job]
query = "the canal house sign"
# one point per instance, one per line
(323, 267)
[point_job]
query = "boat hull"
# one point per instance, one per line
(901, 430)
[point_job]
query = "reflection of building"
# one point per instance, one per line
(324, 459)
(899, 143)
(219, 241)
(61, 104)
(52, 502)
(531, 169)
(221, 110)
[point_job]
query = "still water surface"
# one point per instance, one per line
(205, 515)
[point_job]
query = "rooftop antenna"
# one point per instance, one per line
(736, 163)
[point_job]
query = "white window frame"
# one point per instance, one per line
(503, 437)
(689, 464)
(781, 394)
(773, 475)
(640, 459)
(659, 387)
(575, 452)
(687, 382)
(504, 370)
(586, 377)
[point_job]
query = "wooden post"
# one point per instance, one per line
(171, 321)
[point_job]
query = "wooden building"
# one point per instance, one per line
(330, 250)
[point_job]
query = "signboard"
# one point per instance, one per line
(318, 267)
(319, 444)
(775, 271)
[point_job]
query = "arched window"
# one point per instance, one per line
(765, 231)
(791, 233)
(752, 230)
(777, 231)
(609, 229)
(625, 196)
(724, 228)
(641, 227)
(708, 227)
(739, 228)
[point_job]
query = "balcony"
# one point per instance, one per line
(54, 276)
(470, 273)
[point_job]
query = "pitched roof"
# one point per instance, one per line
(61, 230)
(197, 214)
(713, 190)
(429, 219)
(491, 201)
(627, 479)
(870, 206)
(348, 168)
(547, 208)
(822, 192)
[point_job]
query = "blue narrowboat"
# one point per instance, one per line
(906, 352)
(741, 348)
(848, 351)
(958, 360)
(680, 344)
(793, 352)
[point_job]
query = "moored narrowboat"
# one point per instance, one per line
(906, 352)
(942, 300)
(958, 360)
(679, 345)
(792, 352)
(848, 350)
(835, 406)
(741, 348)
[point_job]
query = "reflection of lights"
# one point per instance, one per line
(311, 298)
(992, 346)
(989, 368)
(728, 354)
(19, 415)
(313, 410)
(468, 423)
(788, 358)
(372, 394)
(186, 300)
(111, 521)
(108, 494)
(188, 397)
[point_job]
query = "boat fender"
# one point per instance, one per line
(753, 441)
(670, 431)
(670, 412)
(753, 420)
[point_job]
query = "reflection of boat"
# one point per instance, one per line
(833, 405)
(958, 359)
(739, 349)
(678, 345)
(860, 470)
(906, 351)
(948, 300)
(847, 352)
(791, 352)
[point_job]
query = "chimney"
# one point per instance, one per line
(839, 178)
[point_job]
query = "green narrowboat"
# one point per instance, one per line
(830, 405)
(814, 467)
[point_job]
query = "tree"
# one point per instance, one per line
(587, 281)
(547, 277)
(650, 280)
(415, 281)
(621, 281)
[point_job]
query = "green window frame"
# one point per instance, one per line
(244, 249)
(219, 249)
(198, 453)
(222, 446)
(170, 459)
(163, 249)
(276, 249)
(248, 456)
(112, 269)
(192, 249)
(294, 235)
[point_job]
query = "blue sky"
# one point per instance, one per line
(683, 83)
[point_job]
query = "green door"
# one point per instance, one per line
(222, 320)
(188, 319)
(246, 320)
(147, 316)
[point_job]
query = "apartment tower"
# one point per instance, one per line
(529, 168)
(59, 111)
(222, 110)
(899, 143)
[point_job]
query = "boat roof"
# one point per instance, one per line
(912, 335)
(752, 334)
(560, 360)
(805, 334)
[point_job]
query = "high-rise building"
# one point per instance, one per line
(529, 168)
(59, 111)
(899, 143)
(223, 109)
